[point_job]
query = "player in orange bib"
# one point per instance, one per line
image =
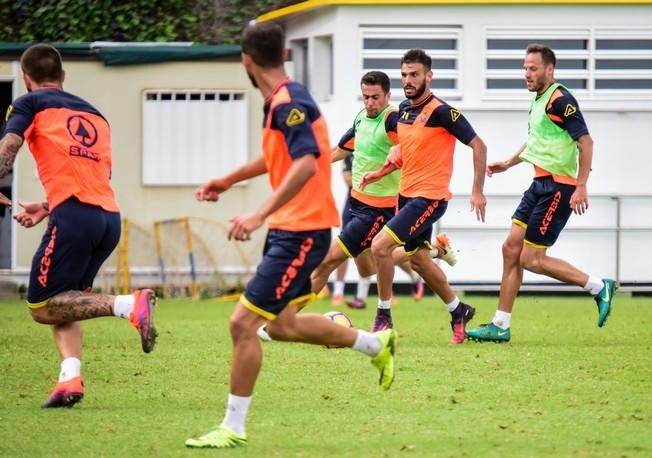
(428, 129)
(71, 144)
(300, 212)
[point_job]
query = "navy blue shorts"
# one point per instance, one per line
(366, 222)
(283, 275)
(78, 239)
(346, 211)
(412, 225)
(544, 211)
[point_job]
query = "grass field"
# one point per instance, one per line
(561, 387)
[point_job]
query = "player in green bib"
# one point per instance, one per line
(373, 133)
(561, 150)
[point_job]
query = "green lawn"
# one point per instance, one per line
(561, 387)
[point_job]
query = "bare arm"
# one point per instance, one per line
(301, 170)
(212, 189)
(337, 154)
(32, 213)
(348, 178)
(580, 199)
(9, 146)
(478, 200)
(372, 177)
(498, 167)
(394, 161)
(252, 169)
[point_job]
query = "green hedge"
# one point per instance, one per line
(203, 21)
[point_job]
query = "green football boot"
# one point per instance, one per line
(603, 300)
(489, 332)
(384, 360)
(222, 437)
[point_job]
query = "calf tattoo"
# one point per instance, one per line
(79, 305)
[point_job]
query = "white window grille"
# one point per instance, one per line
(383, 47)
(623, 61)
(506, 51)
(192, 135)
(592, 61)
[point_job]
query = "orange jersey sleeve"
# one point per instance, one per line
(294, 127)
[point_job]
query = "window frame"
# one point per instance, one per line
(421, 32)
(592, 55)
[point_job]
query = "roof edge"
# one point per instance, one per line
(123, 53)
(307, 5)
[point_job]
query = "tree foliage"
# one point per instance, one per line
(203, 21)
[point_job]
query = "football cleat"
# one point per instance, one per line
(383, 320)
(443, 243)
(222, 437)
(384, 360)
(459, 317)
(603, 300)
(66, 394)
(142, 318)
(489, 332)
(337, 299)
(357, 303)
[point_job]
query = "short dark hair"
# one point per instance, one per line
(417, 56)
(264, 43)
(376, 78)
(547, 54)
(42, 63)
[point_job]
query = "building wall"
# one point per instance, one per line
(618, 125)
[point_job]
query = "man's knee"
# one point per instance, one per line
(382, 245)
(530, 262)
(512, 249)
(365, 264)
(420, 263)
(41, 315)
(280, 332)
(366, 271)
(241, 326)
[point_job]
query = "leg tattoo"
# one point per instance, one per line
(79, 305)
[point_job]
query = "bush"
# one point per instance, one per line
(202, 21)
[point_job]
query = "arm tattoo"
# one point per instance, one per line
(78, 305)
(9, 146)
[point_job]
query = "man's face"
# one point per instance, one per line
(416, 79)
(375, 99)
(538, 76)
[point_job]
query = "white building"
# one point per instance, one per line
(604, 52)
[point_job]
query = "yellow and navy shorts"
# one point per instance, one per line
(543, 211)
(412, 225)
(283, 275)
(78, 239)
(365, 222)
(346, 211)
